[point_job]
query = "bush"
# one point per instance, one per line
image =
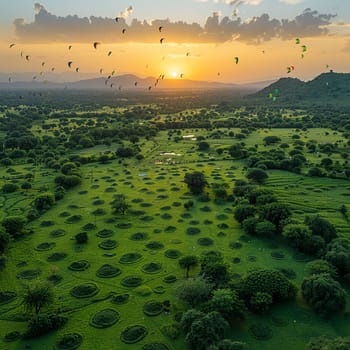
(320, 266)
(4, 240)
(267, 281)
(338, 254)
(81, 238)
(265, 229)
(44, 202)
(9, 188)
(323, 343)
(42, 324)
(243, 212)
(257, 175)
(13, 224)
(321, 227)
(195, 181)
(194, 291)
(324, 294)
(260, 302)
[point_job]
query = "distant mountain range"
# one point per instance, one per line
(124, 82)
(326, 88)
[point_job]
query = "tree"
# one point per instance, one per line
(81, 237)
(37, 296)
(321, 227)
(206, 331)
(194, 291)
(317, 267)
(268, 281)
(324, 294)
(276, 213)
(227, 302)
(228, 344)
(203, 146)
(315, 171)
(4, 240)
(296, 234)
(265, 229)
(119, 204)
(13, 224)
(269, 140)
(338, 254)
(323, 343)
(237, 151)
(249, 225)
(189, 317)
(257, 175)
(244, 211)
(214, 269)
(44, 202)
(195, 181)
(9, 188)
(260, 302)
(188, 262)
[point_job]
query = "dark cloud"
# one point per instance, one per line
(49, 28)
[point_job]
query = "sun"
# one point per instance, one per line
(174, 74)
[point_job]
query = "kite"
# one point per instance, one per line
(123, 31)
(304, 48)
(161, 40)
(109, 53)
(101, 70)
(12, 45)
(96, 43)
(117, 19)
(27, 57)
(70, 64)
(69, 47)
(160, 28)
(77, 69)
(236, 60)
(42, 64)
(297, 41)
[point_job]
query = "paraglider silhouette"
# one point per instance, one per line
(117, 19)
(69, 47)
(96, 43)
(27, 57)
(109, 53)
(70, 64)
(160, 28)
(11, 46)
(124, 30)
(236, 59)
(161, 40)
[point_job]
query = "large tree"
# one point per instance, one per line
(187, 262)
(119, 204)
(195, 181)
(37, 296)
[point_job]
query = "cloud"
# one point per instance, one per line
(48, 27)
(127, 12)
(292, 2)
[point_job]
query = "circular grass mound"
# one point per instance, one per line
(139, 236)
(98, 202)
(170, 279)
(288, 272)
(236, 260)
(147, 218)
(260, 331)
(85, 290)
(58, 233)
(143, 291)
(152, 308)
(172, 253)
(235, 245)
(279, 321)
(130, 258)
(133, 334)
(45, 246)
(131, 281)
(166, 216)
(278, 255)
(69, 341)
(7, 296)
(12, 336)
(80, 265)
(159, 289)
(105, 318)
(191, 231)
(151, 268)
(120, 299)
(108, 244)
(105, 233)
(56, 257)
(89, 226)
(108, 271)
(28, 274)
(205, 241)
(99, 212)
(124, 225)
(170, 229)
(155, 245)
(54, 279)
(73, 219)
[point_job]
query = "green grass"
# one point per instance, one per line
(153, 189)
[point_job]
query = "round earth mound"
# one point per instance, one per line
(85, 290)
(120, 299)
(139, 236)
(152, 308)
(191, 231)
(7, 296)
(131, 281)
(130, 258)
(105, 233)
(45, 246)
(151, 267)
(80, 265)
(57, 233)
(172, 253)
(108, 244)
(12, 336)
(105, 318)
(205, 241)
(108, 271)
(133, 334)
(69, 341)
(155, 245)
(56, 257)
(159, 289)
(170, 279)
(28, 274)
(260, 331)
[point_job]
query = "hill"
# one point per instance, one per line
(326, 88)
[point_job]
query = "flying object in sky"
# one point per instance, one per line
(161, 40)
(236, 60)
(117, 19)
(69, 47)
(12, 45)
(109, 53)
(124, 30)
(96, 43)
(160, 28)
(27, 57)
(70, 64)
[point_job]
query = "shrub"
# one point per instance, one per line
(44, 202)
(194, 291)
(244, 211)
(13, 224)
(260, 302)
(4, 240)
(324, 294)
(42, 324)
(195, 181)
(265, 229)
(257, 175)
(321, 227)
(81, 238)
(9, 188)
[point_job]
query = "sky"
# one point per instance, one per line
(232, 41)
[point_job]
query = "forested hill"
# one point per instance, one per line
(326, 88)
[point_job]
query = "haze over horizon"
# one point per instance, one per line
(201, 38)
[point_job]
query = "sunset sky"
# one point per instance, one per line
(201, 38)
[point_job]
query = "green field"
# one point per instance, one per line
(156, 192)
